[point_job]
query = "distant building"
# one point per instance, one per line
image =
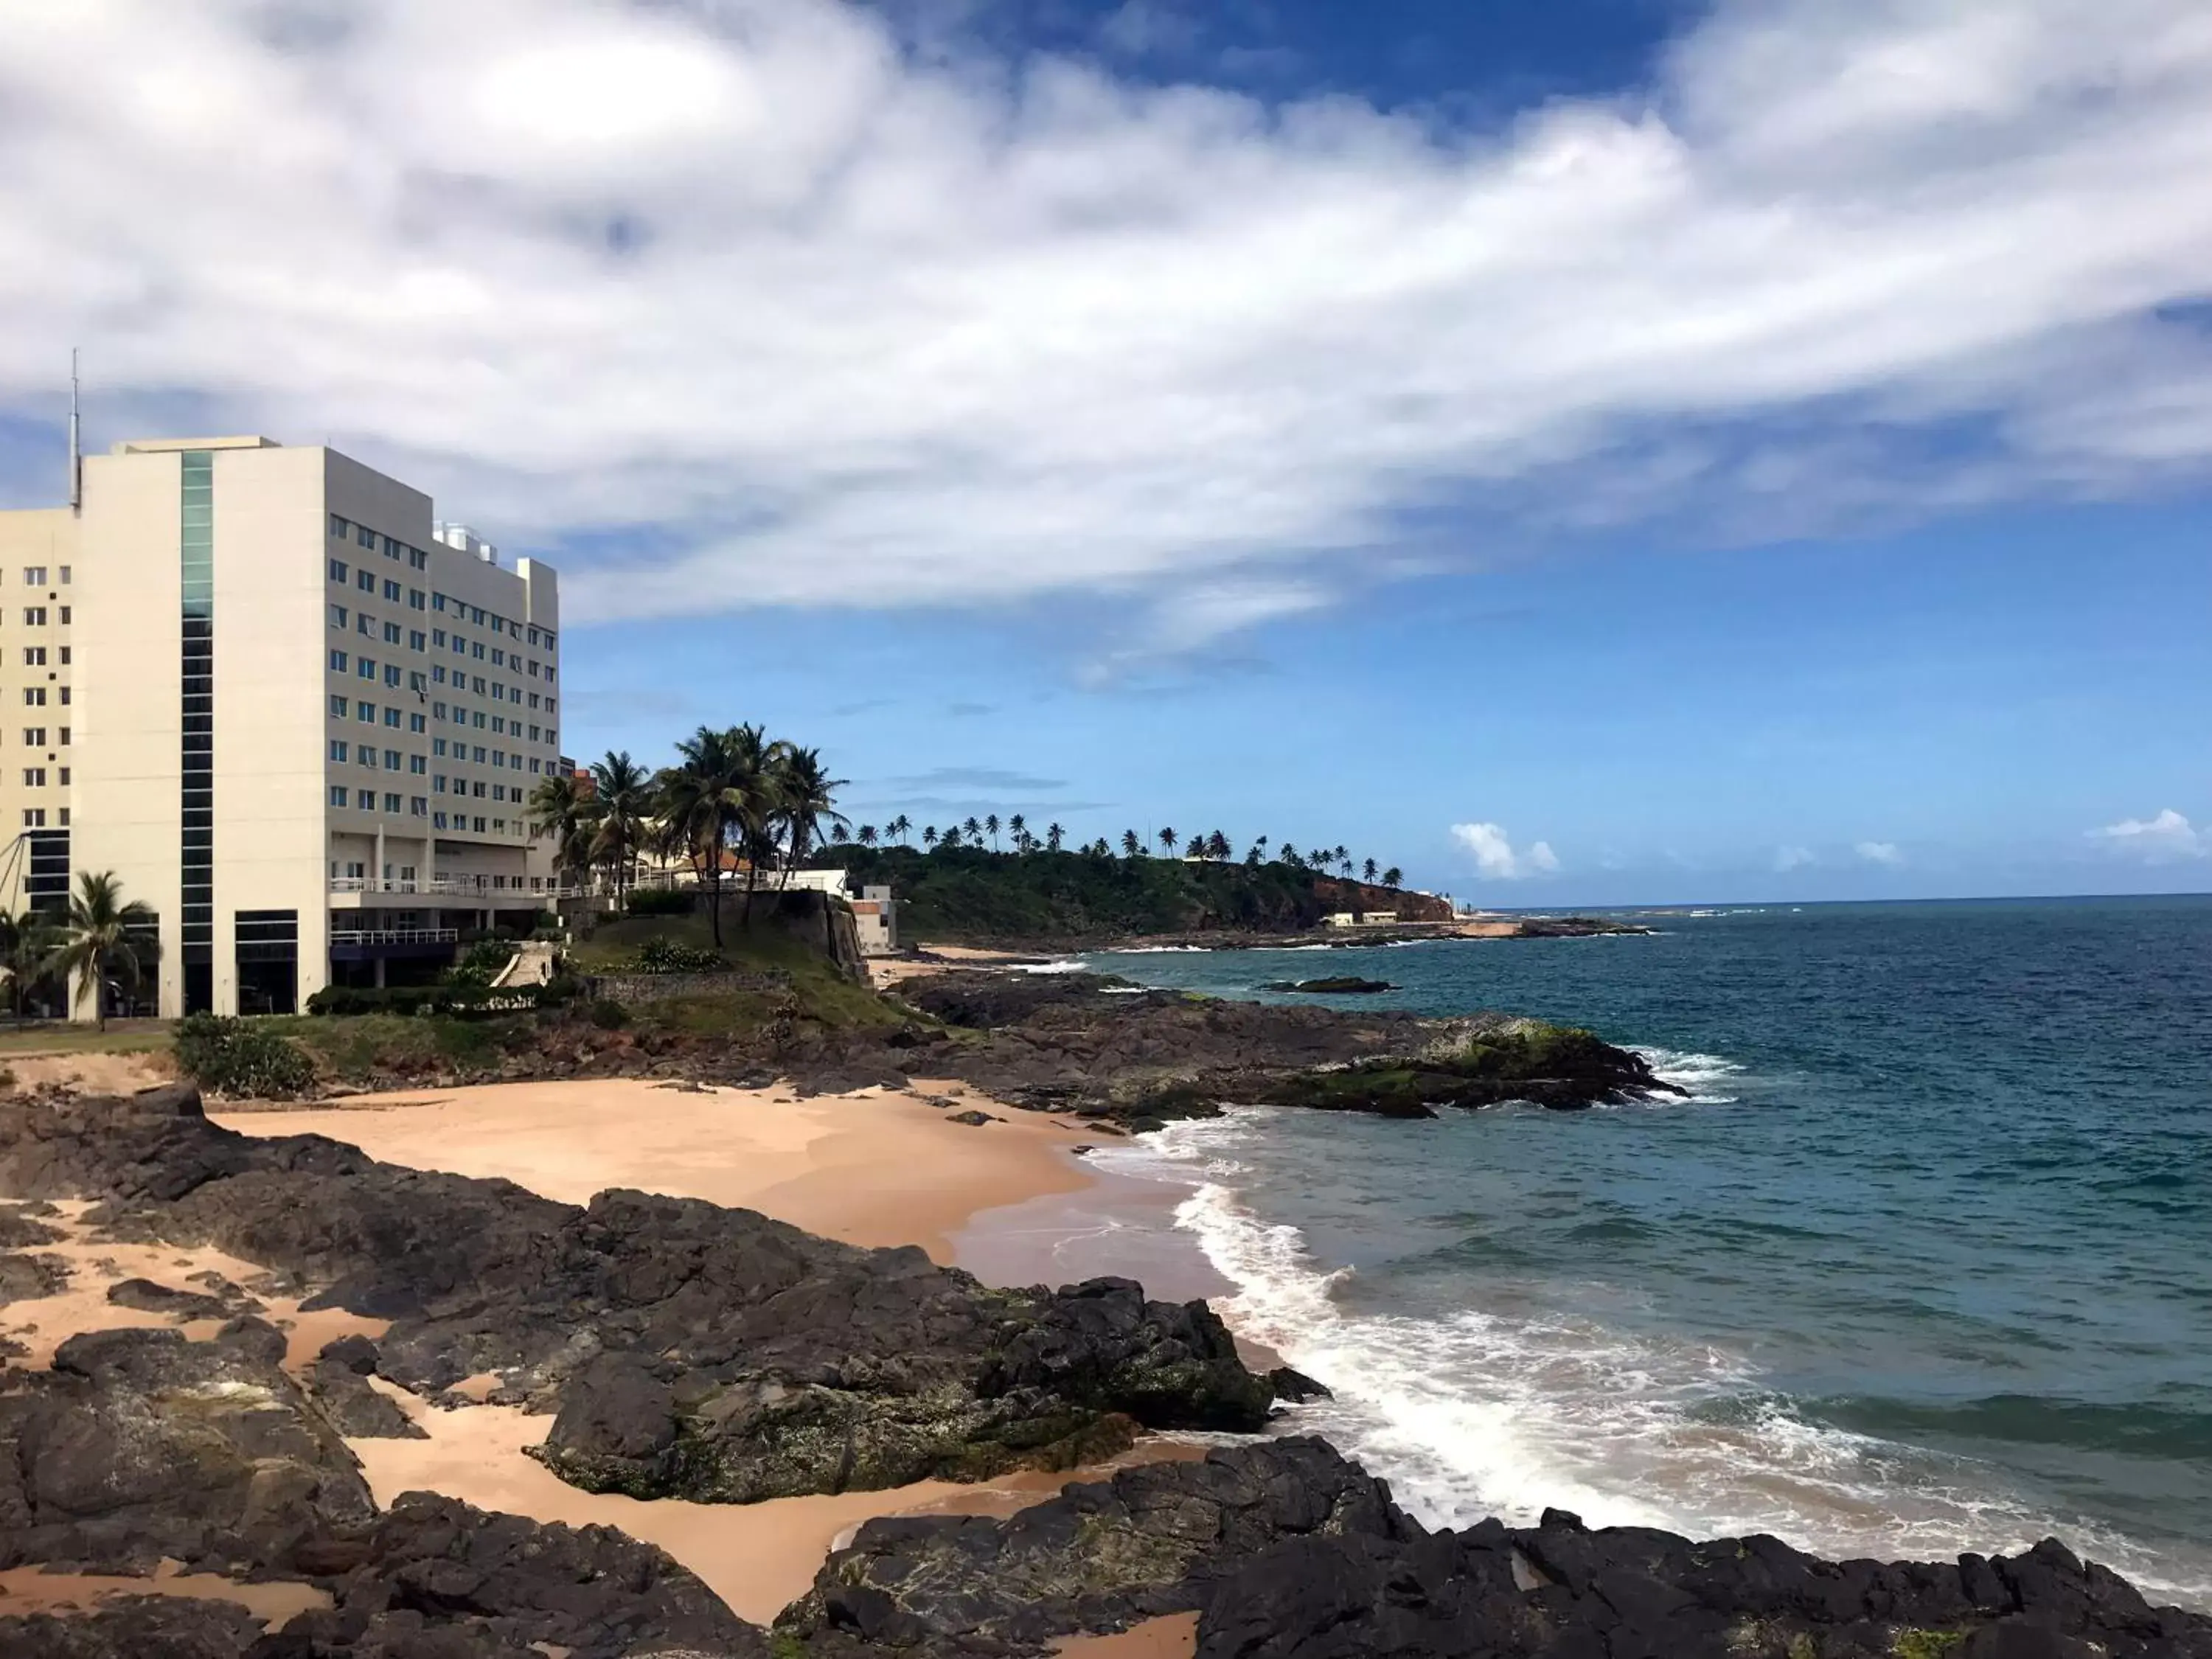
(294, 715)
(1361, 919)
(875, 918)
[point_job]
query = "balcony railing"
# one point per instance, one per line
(399, 936)
(447, 887)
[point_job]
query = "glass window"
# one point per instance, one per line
(35, 615)
(476, 615)
(417, 765)
(392, 760)
(416, 723)
(339, 526)
(415, 598)
(34, 576)
(34, 656)
(392, 591)
(337, 794)
(438, 820)
(337, 662)
(339, 617)
(34, 817)
(365, 536)
(65, 582)
(391, 674)
(338, 705)
(365, 713)
(366, 667)
(414, 638)
(365, 581)
(438, 747)
(392, 803)
(479, 756)
(364, 625)
(338, 748)
(390, 548)
(476, 649)
(65, 696)
(338, 570)
(65, 615)
(35, 777)
(438, 784)
(365, 799)
(391, 718)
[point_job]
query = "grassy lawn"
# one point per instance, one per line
(121, 1036)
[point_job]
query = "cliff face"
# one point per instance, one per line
(1335, 896)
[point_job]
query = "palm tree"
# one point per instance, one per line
(1369, 871)
(720, 783)
(623, 792)
(929, 834)
(1216, 846)
(990, 825)
(804, 796)
(1394, 877)
(102, 937)
(1195, 848)
(900, 826)
(839, 835)
(1344, 858)
(1018, 827)
(1169, 839)
(1055, 837)
(1291, 856)
(866, 836)
(1133, 846)
(563, 808)
(22, 948)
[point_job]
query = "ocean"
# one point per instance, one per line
(1924, 1265)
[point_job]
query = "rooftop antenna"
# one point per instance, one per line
(76, 444)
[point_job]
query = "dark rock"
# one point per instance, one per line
(29, 1278)
(1295, 1387)
(1098, 1558)
(134, 1627)
(19, 1231)
(354, 1408)
(974, 1119)
(1345, 985)
(777, 1363)
(1560, 1590)
(139, 1444)
(147, 1296)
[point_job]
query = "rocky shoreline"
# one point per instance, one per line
(682, 1348)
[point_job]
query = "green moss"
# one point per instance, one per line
(1911, 1644)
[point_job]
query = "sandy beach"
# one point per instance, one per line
(874, 1168)
(1006, 1199)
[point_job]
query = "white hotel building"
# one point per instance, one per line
(294, 715)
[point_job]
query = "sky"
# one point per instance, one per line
(1611, 452)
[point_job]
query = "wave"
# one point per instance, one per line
(1702, 1075)
(1063, 965)
(1163, 950)
(1470, 1412)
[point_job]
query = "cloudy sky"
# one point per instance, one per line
(1605, 450)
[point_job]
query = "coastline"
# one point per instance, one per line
(1008, 1200)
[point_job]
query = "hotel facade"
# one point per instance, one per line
(294, 713)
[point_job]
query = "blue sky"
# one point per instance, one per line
(1611, 451)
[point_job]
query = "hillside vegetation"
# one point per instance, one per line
(964, 894)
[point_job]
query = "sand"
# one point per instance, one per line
(1175, 1637)
(758, 1558)
(874, 1168)
(94, 1073)
(25, 1590)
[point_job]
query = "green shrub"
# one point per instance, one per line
(608, 1014)
(659, 901)
(668, 955)
(232, 1057)
(468, 1001)
(480, 964)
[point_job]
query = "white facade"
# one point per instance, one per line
(295, 716)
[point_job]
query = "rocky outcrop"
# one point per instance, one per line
(1561, 1588)
(1343, 985)
(1084, 1043)
(1100, 1557)
(138, 1445)
(686, 1350)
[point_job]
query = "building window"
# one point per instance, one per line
(62, 777)
(437, 711)
(365, 713)
(365, 536)
(392, 633)
(391, 718)
(391, 674)
(365, 581)
(35, 697)
(480, 826)
(34, 737)
(338, 571)
(417, 765)
(438, 747)
(392, 760)
(437, 602)
(438, 784)
(196, 573)
(338, 705)
(34, 817)
(35, 777)
(365, 667)
(418, 806)
(365, 799)
(415, 638)
(416, 600)
(477, 615)
(417, 560)
(64, 659)
(392, 803)
(498, 657)
(65, 696)
(34, 576)
(416, 723)
(339, 617)
(392, 591)
(35, 615)
(338, 748)
(65, 578)
(477, 650)
(34, 656)
(438, 820)
(365, 753)
(62, 818)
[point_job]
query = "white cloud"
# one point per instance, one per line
(1787, 859)
(2157, 841)
(800, 318)
(1880, 852)
(1495, 858)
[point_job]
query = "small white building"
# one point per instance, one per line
(875, 917)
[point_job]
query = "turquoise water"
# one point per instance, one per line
(1925, 1264)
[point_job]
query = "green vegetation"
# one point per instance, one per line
(794, 981)
(242, 1059)
(463, 998)
(1926, 1643)
(101, 939)
(121, 1037)
(966, 893)
(668, 955)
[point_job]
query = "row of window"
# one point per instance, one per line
(34, 656)
(35, 777)
(35, 697)
(34, 817)
(417, 560)
(365, 624)
(34, 737)
(362, 536)
(367, 713)
(357, 870)
(367, 754)
(394, 674)
(35, 615)
(415, 806)
(34, 576)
